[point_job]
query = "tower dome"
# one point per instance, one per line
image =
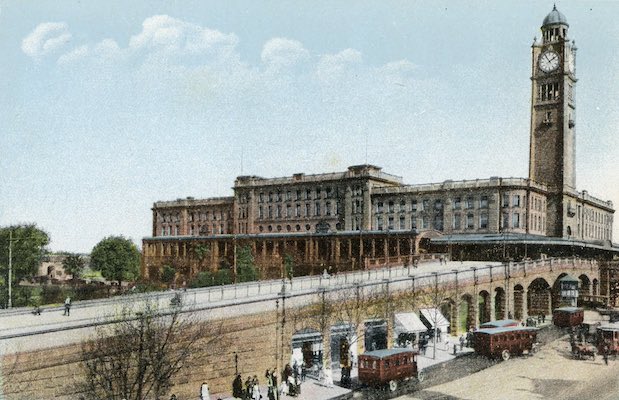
(555, 17)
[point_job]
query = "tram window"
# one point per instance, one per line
(386, 363)
(374, 364)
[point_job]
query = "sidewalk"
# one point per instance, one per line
(313, 390)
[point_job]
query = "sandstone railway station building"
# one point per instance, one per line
(363, 217)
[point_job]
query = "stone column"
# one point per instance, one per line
(492, 306)
(525, 307)
(386, 250)
(337, 250)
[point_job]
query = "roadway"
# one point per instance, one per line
(21, 330)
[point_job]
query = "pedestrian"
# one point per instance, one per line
(605, 355)
(248, 388)
(455, 348)
(67, 306)
(237, 386)
(303, 371)
(204, 394)
(461, 342)
(543, 318)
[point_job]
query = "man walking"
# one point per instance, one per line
(204, 394)
(67, 306)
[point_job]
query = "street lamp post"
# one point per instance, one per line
(436, 304)
(10, 305)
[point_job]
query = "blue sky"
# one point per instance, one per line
(107, 107)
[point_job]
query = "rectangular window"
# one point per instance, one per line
(425, 223)
(470, 203)
(457, 203)
(470, 223)
(483, 202)
(379, 223)
(308, 194)
(457, 225)
(390, 224)
(438, 222)
(414, 205)
(318, 208)
(289, 195)
(438, 204)
(402, 205)
(262, 197)
(483, 221)
(505, 200)
(260, 212)
(402, 222)
(413, 222)
(307, 209)
(391, 206)
(516, 200)
(426, 205)
(516, 220)
(278, 211)
(379, 207)
(297, 210)
(328, 208)
(288, 210)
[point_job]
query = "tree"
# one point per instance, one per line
(73, 264)
(168, 274)
(138, 357)
(28, 246)
(246, 270)
(117, 258)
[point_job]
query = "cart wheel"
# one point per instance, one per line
(505, 355)
(421, 376)
(393, 385)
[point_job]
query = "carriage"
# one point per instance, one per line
(505, 342)
(583, 351)
(389, 367)
(565, 317)
(608, 336)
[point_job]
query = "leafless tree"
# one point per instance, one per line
(138, 356)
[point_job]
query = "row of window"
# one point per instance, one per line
(459, 222)
(289, 228)
(548, 91)
(307, 194)
(428, 205)
(208, 215)
(299, 211)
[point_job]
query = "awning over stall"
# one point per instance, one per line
(433, 316)
(408, 323)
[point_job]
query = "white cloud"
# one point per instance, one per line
(283, 53)
(164, 33)
(76, 54)
(332, 66)
(46, 38)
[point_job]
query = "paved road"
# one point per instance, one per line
(550, 374)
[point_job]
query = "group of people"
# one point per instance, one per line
(250, 390)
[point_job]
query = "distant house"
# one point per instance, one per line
(51, 267)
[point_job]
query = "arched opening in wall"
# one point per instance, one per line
(375, 334)
(448, 309)
(499, 304)
(539, 299)
(595, 288)
(584, 285)
(466, 313)
(343, 338)
(518, 302)
(50, 271)
(483, 302)
(307, 347)
(555, 293)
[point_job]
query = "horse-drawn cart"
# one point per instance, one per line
(583, 351)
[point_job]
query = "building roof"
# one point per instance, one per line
(555, 17)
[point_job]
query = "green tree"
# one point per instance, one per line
(168, 274)
(28, 246)
(117, 258)
(73, 264)
(246, 270)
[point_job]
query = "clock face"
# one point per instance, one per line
(548, 61)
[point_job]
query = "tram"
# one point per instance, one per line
(567, 317)
(389, 367)
(505, 342)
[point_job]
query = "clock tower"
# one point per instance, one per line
(552, 144)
